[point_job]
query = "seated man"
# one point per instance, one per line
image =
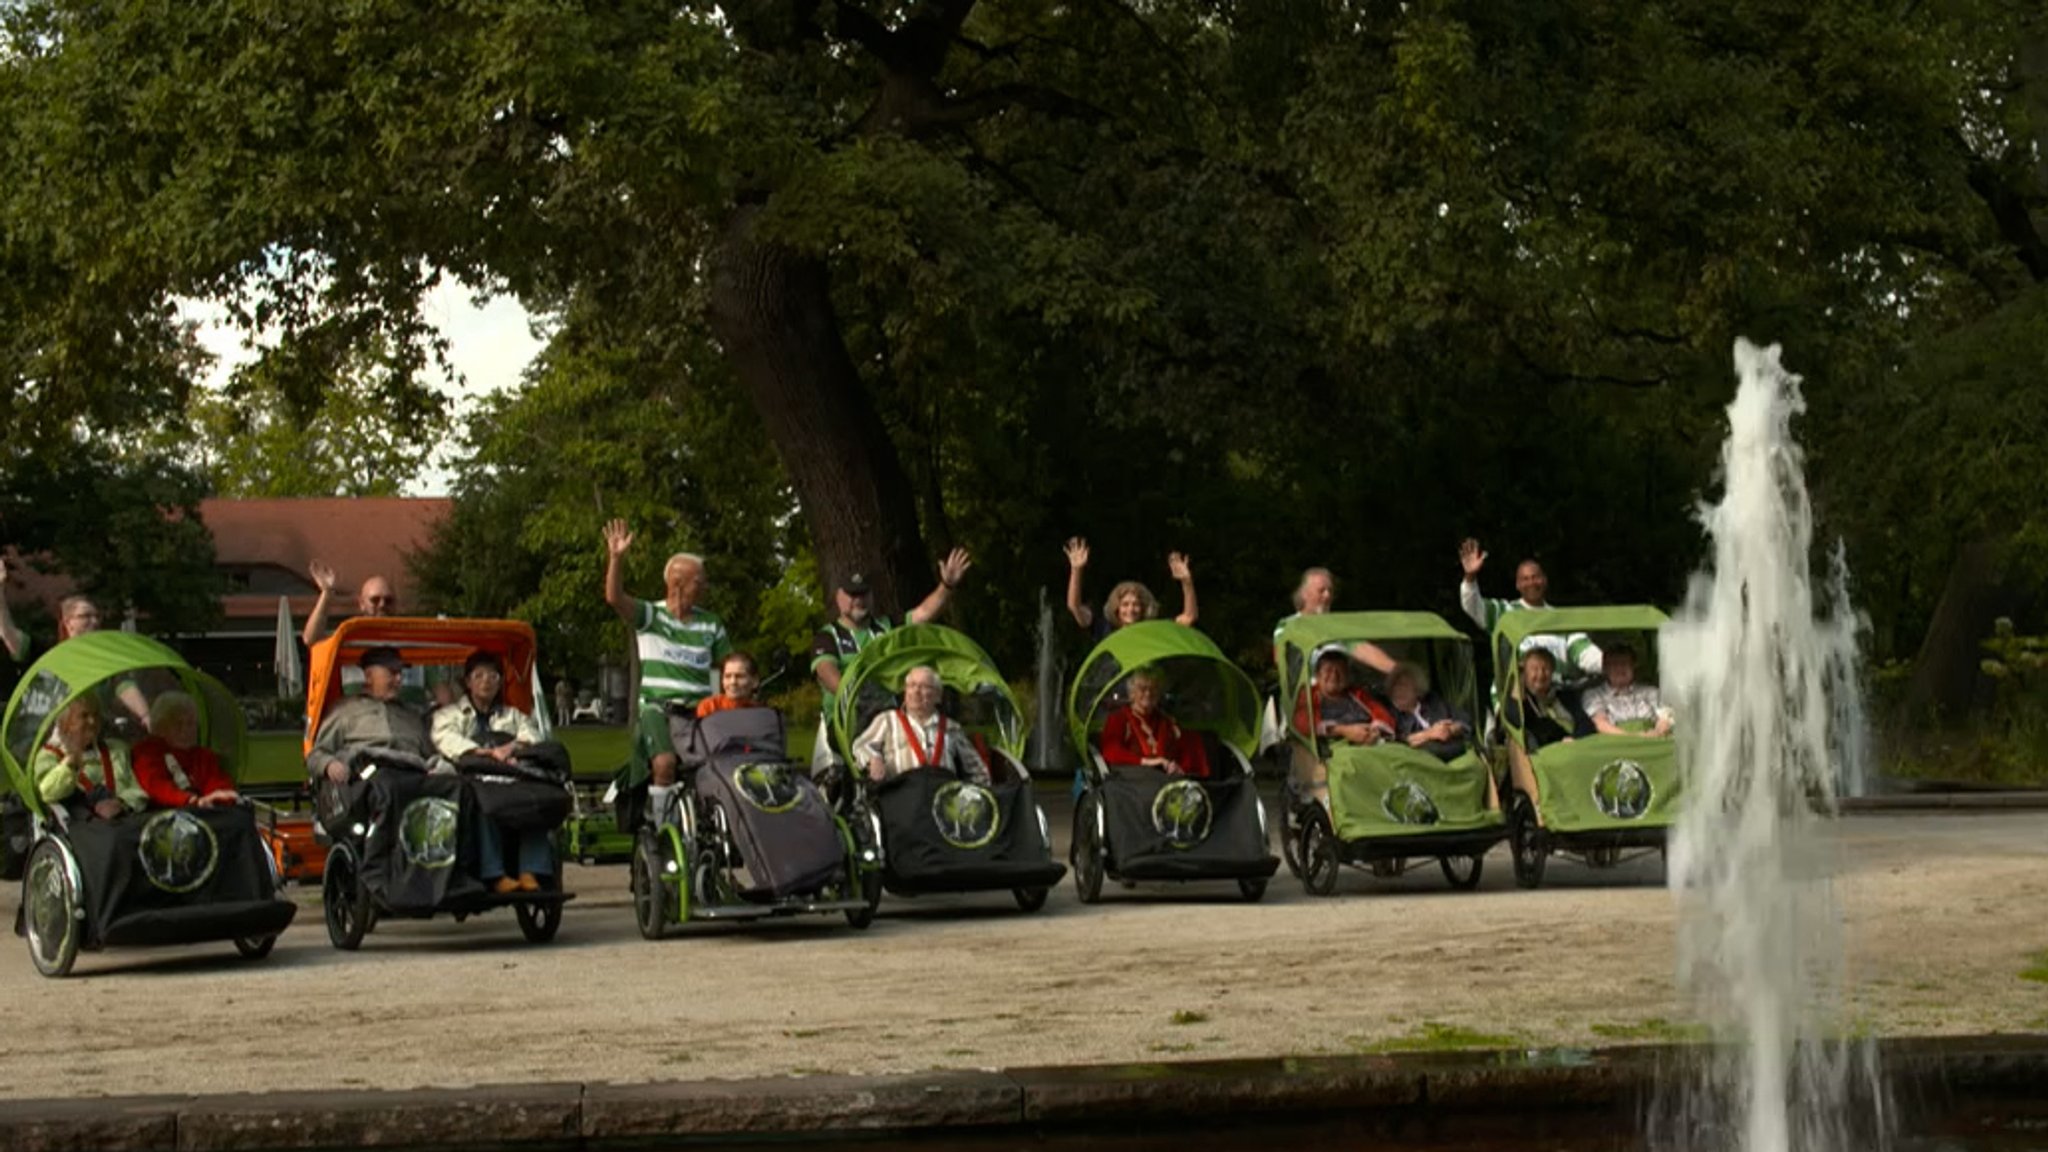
(1422, 719)
(738, 681)
(1545, 715)
(1619, 704)
(917, 736)
(85, 775)
(172, 766)
(1341, 710)
(374, 719)
(1141, 733)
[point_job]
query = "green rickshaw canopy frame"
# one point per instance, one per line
(1161, 643)
(960, 662)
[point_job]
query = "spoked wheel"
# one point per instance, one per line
(1462, 872)
(1529, 843)
(51, 912)
(345, 901)
(539, 921)
(1030, 899)
(1252, 888)
(653, 908)
(1290, 837)
(1319, 860)
(255, 947)
(1089, 861)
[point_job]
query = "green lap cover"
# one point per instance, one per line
(1601, 783)
(1395, 790)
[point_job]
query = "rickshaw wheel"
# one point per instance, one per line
(1320, 862)
(1527, 841)
(1462, 872)
(255, 947)
(1031, 899)
(539, 922)
(50, 910)
(345, 903)
(1290, 837)
(650, 902)
(869, 885)
(1089, 865)
(1252, 888)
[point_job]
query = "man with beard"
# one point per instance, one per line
(838, 641)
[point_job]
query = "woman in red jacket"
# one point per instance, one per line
(172, 766)
(1141, 733)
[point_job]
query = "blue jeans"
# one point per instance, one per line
(534, 853)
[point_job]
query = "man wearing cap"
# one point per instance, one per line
(374, 719)
(838, 641)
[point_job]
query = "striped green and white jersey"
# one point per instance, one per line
(1577, 657)
(678, 658)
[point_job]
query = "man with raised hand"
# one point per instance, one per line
(1576, 651)
(374, 598)
(680, 646)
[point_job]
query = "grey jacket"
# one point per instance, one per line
(362, 722)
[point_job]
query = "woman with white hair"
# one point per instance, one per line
(918, 735)
(172, 766)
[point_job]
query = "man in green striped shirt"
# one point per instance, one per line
(1576, 657)
(680, 648)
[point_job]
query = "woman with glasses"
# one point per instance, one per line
(481, 724)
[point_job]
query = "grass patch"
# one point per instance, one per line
(1656, 1028)
(1434, 1036)
(1184, 1017)
(960, 1052)
(276, 757)
(2036, 969)
(1170, 1048)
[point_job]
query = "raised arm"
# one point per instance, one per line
(323, 579)
(951, 570)
(1373, 656)
(1470, 560)
(1077, 561)
(618, 538)
(10, 636)
(1177, 564)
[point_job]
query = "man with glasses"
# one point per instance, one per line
(374, 598)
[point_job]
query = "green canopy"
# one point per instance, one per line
(1422, 638)
(873, 681)
(1312, 632)
(1204, 690)
(103, 661)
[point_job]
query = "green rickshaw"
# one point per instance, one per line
(1386, 805)
(149, 878)
(936, 833)
(1603, 798)
(1133, 822)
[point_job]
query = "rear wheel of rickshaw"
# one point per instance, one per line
(51, 912)
(1320, 862)
(1252, 888)
(1462, 872)
(344, 900)
(868, 886)
(539, 921)
(255, 947)
(1290, 836)
(651, 904)
(1089, 864)
(1030, 899)
(1528, 842)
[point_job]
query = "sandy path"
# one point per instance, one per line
(1942, 915)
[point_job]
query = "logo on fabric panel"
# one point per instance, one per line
(427, 831)
(1181, 812)
(769, 787)
(967, 814)
(178, 851)
(1408, 803)
(1622, 790)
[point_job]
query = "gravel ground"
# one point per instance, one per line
(1941, 917)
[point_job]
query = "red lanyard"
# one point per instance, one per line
(106, 768)
(917, 746)
(1147, 746)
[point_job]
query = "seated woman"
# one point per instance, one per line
(1141, 733)
(1341, 711)
(738, 680)
(1545, 715)
(172, 766)
(87, 776)
(1619, 704)
(1128, 602)
(918, 735)
(481, 724)
(1422, 719)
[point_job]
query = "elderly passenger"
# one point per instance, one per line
(1128, 602)
(1620, 704)
(374, 719)
(87, 775)
(1333, 708)
(172, 766)
(1422, 719)
(481, 724)
(918, 735)
(739, 681)
(1545, 715)
(1142, 734)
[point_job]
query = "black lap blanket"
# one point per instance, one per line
(780, 821)
(177, 876)
(944, 834)
(529, 793)
(421, 850)
(1165, 827)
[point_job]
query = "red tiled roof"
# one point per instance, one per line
(359, 537)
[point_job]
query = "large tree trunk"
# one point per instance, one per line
(1947, 680)
(771, 309)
